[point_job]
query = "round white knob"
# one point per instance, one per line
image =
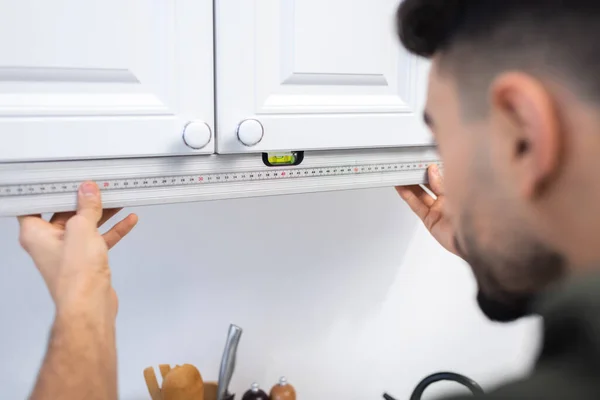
(197, 134)
(250, 132)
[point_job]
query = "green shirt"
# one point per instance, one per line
(568, 366)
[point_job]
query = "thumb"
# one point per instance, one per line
(436, 181)
(89, 202)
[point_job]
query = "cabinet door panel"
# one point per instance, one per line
(317, 75)
(104, 78)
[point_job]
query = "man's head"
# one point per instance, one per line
(514, 104)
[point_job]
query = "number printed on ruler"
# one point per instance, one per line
(212, 178)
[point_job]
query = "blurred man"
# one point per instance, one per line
(514, 104)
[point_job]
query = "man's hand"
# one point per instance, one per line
(430, 210)
(71, 254)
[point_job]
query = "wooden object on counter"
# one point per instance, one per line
(210, 390)
(282, 391)
(152, 384)
(183, 383)
(164, 370)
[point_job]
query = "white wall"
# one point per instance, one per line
(344, 293)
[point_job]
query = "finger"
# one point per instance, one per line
(30, 231)
(24, 218)
(436, 182)
(120, 230)
(428, 187)
(108, 214)
(60, 219)
(430, 192)
(434, 215)
(89, 202)
(418, 191)
(412, 197)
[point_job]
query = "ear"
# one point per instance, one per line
(525, 104)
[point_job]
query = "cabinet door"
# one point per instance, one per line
(314, 74)
(105, 78)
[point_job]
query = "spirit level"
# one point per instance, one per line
(51, 186)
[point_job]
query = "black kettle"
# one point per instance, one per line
(441, 376)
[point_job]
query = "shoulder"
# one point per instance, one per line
(569, 361)
(568, 365)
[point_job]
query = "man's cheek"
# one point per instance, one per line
(452, 190)
(450, 205)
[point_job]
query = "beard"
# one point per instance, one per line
(511, 276)
(501, 311)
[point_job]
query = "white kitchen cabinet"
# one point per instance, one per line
(105, 79)
(315, 75)
(139, 95)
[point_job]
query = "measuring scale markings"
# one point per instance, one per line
(212, 178)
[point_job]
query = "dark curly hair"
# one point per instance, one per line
(477, 39)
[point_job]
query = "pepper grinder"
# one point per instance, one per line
(283, 391)
(255, 393)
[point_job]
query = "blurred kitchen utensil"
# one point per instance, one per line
(183, 383)
(152, 384)
(228, 361)
(210, 390)
(164, 370)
